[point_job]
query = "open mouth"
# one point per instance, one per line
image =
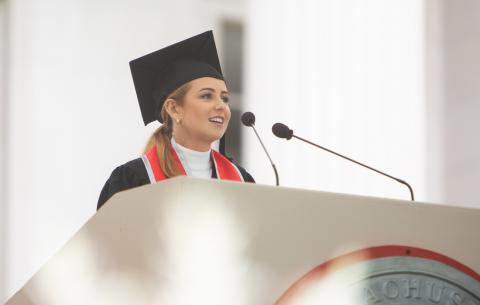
(217, 120)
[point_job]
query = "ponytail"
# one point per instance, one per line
(162, 135)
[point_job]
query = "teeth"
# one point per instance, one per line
(216, 120)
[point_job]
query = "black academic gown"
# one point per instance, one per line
(133, 174)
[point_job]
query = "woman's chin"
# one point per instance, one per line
(216, 137)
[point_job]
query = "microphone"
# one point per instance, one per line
(248, 119)
(282, 131)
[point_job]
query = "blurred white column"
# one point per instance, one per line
(348, 75)
(19, 212)
(435, 99)
(3, 144)
(461, 34)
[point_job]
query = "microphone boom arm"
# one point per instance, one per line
(361, 164)
(268, 155)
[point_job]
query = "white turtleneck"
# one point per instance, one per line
(195, 163)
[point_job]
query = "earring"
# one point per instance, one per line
(178, 121)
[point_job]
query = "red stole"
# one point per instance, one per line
(226, 170)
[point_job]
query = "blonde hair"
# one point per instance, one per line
(161, 137)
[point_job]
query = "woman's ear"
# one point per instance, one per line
(173, 109)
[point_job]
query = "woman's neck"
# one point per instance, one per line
(199, 147)
(176, 144)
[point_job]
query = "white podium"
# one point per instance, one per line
(196, 241)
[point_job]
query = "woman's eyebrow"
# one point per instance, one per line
(213, 90)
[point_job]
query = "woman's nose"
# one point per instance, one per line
(220, 104)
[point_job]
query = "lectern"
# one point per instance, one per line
(203, 241)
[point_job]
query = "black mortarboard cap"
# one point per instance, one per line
(158, 74)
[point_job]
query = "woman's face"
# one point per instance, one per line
(204, 114)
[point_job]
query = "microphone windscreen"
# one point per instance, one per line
(248, 119)
(282, 131)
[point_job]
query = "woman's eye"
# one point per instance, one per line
(206, 96)
(225, 99)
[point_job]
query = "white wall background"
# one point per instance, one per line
(365, 78)
(348, 75)
(73, 114)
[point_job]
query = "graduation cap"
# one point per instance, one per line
(158, 74)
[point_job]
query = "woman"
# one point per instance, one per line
(182, 87)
